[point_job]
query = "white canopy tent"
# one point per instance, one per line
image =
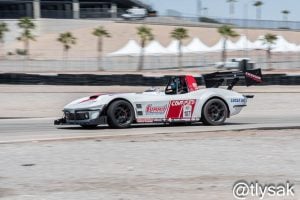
(259, 43)
(244, 44)
(196, 46)
(280, 45)
(131, 48)
(154, 47)
(173, 47)
(220, 44)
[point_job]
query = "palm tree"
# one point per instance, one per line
(100, 33)
(269, 39)
(28, 26)
(180, 34)
(231, 7)
(226, 32)
(145, 35)
(285, 14)
(3, 29)
(258, 5)
(67, 40)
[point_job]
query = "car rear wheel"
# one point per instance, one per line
(214, 112)
(120, 114)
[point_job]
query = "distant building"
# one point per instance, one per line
(67, 9)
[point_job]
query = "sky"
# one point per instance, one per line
(271, 9)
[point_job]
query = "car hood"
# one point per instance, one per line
(88, 102)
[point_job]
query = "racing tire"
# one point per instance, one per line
(89, 126)
(120, 114)
(214, 112)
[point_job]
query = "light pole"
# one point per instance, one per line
(205, 11)
(246, 24)
(199, 8)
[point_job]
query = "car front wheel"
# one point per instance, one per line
(120, 114)
(214, 112)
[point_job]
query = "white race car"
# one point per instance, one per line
(182, 101)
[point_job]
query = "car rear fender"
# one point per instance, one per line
(221, 94)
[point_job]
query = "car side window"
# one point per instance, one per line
(171, 87)
(176, 86)
(182, 89)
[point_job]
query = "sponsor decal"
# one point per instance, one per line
(158, 120)
(253, 76)
(180, 109)
(144, 120)
(238, 100)
(184, 120)
(183, 102)
(150, 109)
(187, 111)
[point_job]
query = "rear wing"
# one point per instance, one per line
(230, 79)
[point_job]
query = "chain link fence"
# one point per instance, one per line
(84, 63)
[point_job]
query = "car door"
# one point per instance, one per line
(151, 107)
(181, 107)
(159, 108)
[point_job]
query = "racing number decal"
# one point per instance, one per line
(187, 111)
(181, 109)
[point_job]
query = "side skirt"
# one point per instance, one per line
(150, 120)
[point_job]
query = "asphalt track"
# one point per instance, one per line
(41, 161)
(266, 111)
(27, 130)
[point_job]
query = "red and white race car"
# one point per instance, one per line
(182, 101)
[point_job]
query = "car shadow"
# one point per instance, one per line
(135, 126)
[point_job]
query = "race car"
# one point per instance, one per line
(182, 101)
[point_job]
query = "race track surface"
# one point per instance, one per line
(176, 166)
(42, 162)
(273, 113)
(26, 130)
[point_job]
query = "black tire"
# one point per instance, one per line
(89, 126)
(214, 112)
(120, 114)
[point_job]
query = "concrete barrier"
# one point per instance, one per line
(120, 79)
